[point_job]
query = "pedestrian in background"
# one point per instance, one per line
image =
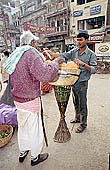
(5, 75)
(27, 69)
(86, 59)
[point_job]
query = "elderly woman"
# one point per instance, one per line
(27, 70)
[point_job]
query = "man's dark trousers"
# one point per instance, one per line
(80, 102)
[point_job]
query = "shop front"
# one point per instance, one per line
(54, 45)
(69, 44)
(93, 39)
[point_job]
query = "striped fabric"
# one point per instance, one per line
(45, 87)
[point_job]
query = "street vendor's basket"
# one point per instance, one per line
(66, 77)
(7, 131)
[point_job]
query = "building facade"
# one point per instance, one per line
(33, 13)
(49, 15)
(56, 22)
(90, 15)
(58, 16)
(8, 31)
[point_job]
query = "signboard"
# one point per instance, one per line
(95, 10)
(69, 41)
(38, 29)
(96, 38)
(77, 13)
(102, 49)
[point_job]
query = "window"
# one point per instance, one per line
(53, 1)
(80, 2)
(65, 23)
(61, 25)
(60, 1)
(80, 25)
(92, 23)
(39, 1)
(95, 23)
(58, 24)
(90, 0)
(21, 10)
(52, 24)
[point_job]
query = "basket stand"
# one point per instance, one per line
(62, 94)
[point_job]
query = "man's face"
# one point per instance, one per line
(81, 42)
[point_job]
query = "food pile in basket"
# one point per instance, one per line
(70, 64)
(68, 74)
(68, 69)
(4, 134)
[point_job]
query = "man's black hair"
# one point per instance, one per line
(6, 53)
(86, 36)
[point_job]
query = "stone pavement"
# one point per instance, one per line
(86, 151)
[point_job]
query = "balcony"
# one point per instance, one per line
(57, 8)
(62, 30)
(30, 4)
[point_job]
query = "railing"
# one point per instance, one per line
(29, 4)
(58, 6)
(60, 29)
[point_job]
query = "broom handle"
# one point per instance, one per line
(44, 131)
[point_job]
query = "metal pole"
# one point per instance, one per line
(108, 13)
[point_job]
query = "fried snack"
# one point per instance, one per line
(72, 64)
(62, 65)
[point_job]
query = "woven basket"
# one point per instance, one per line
(5, 140)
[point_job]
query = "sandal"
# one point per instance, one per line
(80, 129)
(23, 155)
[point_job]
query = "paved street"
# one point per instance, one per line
(86, 151)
